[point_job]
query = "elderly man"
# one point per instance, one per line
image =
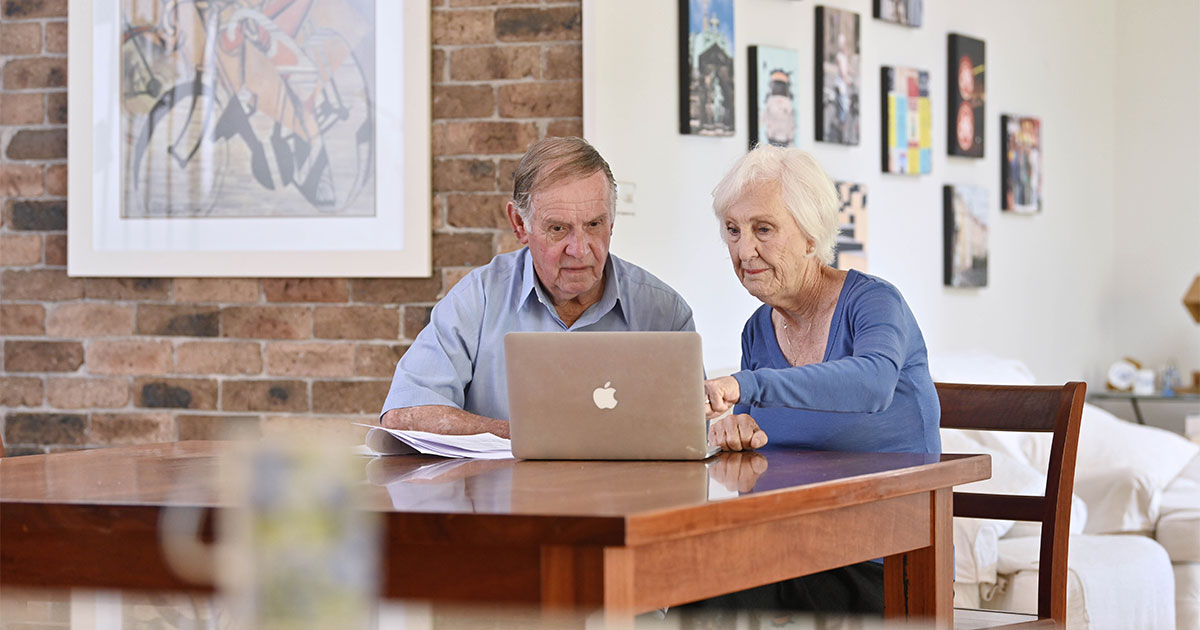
(452, 379)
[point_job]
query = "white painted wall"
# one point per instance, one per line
(1059, 286)
(1156, 242)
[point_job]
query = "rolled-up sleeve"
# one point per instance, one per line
(437, 368)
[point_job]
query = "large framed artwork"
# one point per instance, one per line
(907, 121)
(706, 58)
(838, 81)
(906, 12)
(1021, 164)
(965, 227)
(249, 138)
(851, 251)
(774, 116)
(967, 96)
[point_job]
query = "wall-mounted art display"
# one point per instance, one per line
(851, 252)
(965, 227)
(967, 95)
(906, 12)
(838, 81)
(706, 56)
(1021, 164)
(907, 121)
(774, 116)
(235, 139)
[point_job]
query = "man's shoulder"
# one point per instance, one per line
(638, 279)
(499, 272)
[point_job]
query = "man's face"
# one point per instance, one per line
(568, 234)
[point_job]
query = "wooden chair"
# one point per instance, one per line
(1024, 408)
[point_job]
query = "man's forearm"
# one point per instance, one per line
(442, 419)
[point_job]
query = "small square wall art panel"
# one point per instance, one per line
(906, 12)
(965, 226)
(706, 57)
(851, 252)
(907, 121)
(774, 116)
(838, 81)
(1021, 164)
(967, 96)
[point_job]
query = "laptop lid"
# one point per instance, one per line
(606, 395)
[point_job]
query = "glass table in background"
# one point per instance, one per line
(1134, 399)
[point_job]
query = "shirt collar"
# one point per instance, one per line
(531, 288)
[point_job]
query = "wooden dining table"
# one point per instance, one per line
(621, 537)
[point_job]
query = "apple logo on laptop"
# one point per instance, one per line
(605, 397)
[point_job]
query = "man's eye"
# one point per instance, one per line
(556, 228)
(594, 224)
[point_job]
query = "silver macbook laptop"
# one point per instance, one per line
(606, 395)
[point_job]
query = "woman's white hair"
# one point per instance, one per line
(803, 187)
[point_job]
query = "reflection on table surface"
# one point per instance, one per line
(81, 609)
(189, 473)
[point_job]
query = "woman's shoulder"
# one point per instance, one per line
(859, 284)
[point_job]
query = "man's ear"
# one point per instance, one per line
(517, 223)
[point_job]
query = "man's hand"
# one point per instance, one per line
(442, 419)
(738, 471)
(720, 395)
(738, 432)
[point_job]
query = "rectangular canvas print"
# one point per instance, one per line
(967, 95)
(1021, 164)
(247, 108)
(706, 57)
(907, 121)
(906, 12)
(851, 251)
(838, 81)
(966, 236)
(774, 116)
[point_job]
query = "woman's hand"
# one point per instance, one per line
(737, 471)
(720, 395)
(736, 433)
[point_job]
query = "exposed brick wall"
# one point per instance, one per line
(88, 362)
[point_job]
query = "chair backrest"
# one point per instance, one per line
(1053, 409)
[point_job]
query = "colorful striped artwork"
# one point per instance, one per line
(908, 121)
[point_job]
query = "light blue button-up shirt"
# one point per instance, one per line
(458, 359)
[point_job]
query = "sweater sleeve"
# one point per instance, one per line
(863, 382)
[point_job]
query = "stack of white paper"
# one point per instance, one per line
(384, 441)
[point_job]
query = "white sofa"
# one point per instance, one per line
(1134, 560)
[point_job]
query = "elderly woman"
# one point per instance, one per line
(833, 360)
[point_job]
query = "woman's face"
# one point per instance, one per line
(767, 248)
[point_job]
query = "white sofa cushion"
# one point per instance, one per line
(978, 367)
(1124, 581)
(1179, 533)
(1187, 596)
(975, 540)
(1121, 500)
(1107, 442)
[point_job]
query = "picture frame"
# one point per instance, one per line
(184, 161)
(1021, 164)
(907, 116)
(902, 12)
(965, 232)
(773, 114)
(837, 75)
(967, 94)
(707, 54)
(853, 234)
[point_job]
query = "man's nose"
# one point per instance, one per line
(577, 244)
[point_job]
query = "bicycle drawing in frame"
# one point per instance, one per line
(247, 108)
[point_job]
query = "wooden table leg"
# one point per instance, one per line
(920, 583)
(581, 581)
